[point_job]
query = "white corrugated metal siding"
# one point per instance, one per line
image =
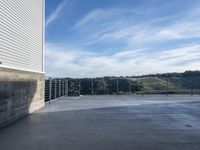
(21, 34)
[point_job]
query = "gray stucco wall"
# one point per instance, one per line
(21, 93)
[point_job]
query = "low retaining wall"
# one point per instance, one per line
(21, 93)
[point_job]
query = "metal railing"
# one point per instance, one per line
(55, 88)
(59, 87)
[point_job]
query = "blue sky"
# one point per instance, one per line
(93, 38)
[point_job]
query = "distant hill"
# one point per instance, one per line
(172, 83)
(184, 84)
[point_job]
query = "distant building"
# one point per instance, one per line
(21, 58)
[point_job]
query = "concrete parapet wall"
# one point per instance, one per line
(21, 93)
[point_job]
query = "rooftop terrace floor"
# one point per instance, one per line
(149, 122)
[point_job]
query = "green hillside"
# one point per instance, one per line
(171, 83)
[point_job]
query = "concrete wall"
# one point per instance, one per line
(21, 93)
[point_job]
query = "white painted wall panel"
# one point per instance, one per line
(21, 34)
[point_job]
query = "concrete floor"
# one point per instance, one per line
(151, 122)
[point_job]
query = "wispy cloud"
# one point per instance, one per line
(56, 13)
(104, 16)
(90, 16)
(179, 31)
(113, 25)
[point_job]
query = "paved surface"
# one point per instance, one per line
(151, 122)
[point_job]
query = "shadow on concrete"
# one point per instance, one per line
(15, 99)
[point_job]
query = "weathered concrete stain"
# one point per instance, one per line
(21, 93)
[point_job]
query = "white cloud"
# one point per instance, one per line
(56, 13)
(68, 62)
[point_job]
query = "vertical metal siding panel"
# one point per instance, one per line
(21, 34)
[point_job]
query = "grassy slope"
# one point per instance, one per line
(175, 84)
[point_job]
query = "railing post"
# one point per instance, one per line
(179, 87)
(167, 86)
(129, 87)
(104, 86)
(142, 87)
(62, 93)
(191, 87)
(49, 90)
(92, 86)
(63, 87)
(117, 86)
(59, 88)
(79, 87)
(66, 87)
(55, 89)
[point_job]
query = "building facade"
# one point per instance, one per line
(21, 58)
